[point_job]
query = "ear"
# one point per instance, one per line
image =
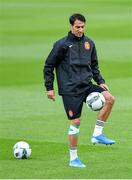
(71, 28)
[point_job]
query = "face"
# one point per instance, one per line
(78, 28)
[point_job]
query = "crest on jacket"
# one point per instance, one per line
(87, 45)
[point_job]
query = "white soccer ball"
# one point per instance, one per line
(95, 101)
(21, 150)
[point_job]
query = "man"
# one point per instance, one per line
(75, 60)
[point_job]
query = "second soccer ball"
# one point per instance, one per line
(21, 150)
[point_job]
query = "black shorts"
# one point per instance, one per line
(73, 104)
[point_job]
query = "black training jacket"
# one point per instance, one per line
(75, 62)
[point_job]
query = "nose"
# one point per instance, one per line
(81, 29)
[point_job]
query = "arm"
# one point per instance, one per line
(48, 70)
(95, 70)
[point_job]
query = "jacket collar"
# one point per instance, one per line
(73, 37)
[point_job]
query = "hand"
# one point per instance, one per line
(104, 86)
(51, 95)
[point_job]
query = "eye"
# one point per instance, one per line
(78, 27)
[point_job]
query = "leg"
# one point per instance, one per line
(102, 117)
(73, 141)
(73, 107)
(106, 110)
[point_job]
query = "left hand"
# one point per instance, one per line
(104, 86)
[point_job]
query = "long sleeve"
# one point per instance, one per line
(95, 68)
(50, 64)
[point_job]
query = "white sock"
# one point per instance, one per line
(73, 154)
(98, 128)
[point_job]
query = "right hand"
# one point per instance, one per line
(51, 95)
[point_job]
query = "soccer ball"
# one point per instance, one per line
(95, 101)
(21, 150)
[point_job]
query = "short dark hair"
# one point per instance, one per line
(75, 17)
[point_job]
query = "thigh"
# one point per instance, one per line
(73, 105)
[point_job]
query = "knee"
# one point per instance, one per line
(74, 127)
(76, 121)
(111, 99)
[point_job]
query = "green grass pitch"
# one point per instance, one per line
(28, 29)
